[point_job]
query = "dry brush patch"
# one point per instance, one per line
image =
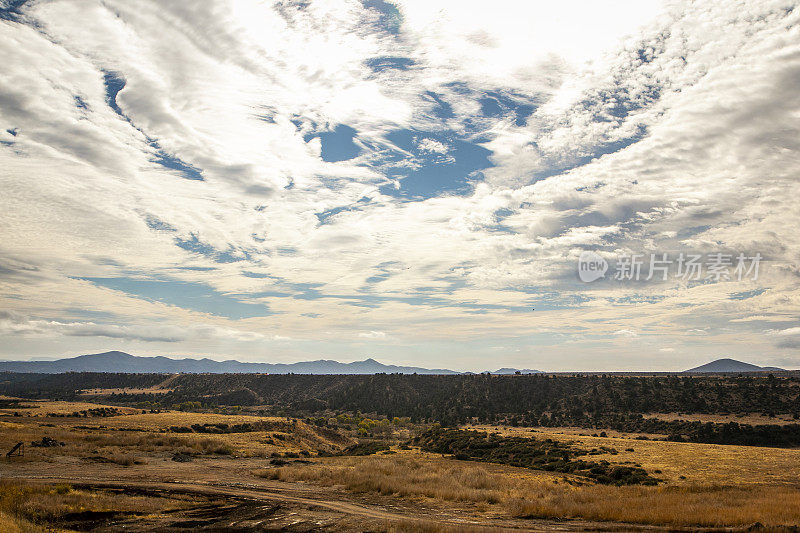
(154, 433)
(684, 462)
(742, 418)
(521, 493)
(11, 524)
(44, 408)
(689, 506)
(430, 526)
(25, 506)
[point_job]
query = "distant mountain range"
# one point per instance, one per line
(127, 363)
(732, 365)
(515, 370)
(123, 362)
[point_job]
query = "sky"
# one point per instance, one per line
(413, 181)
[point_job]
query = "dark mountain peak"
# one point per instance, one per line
(114, 354)
(507, 370)
(732, 365)
(116, 361)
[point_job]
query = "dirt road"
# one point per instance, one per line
(300, 498)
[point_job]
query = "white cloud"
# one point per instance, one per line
(784, 332)
(431, 145)
(372, 335)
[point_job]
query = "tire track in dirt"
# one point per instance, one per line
(340, 506)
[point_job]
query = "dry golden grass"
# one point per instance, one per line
(49, 407)
(724, 486)
(523, 493)
(701, 505)
(399, 475)
(709, 464)
(295, 437)
(164, 420)
(121, 447)
(26, 506)
(136, 434)
(429, 526)
(10, 524)
(748, 418)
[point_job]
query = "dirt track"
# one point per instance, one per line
(300, 497)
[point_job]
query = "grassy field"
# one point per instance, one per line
(44, 408)
(496, 490)
(754, 419)
(686, 463)
(27, 508)
(134, 436)
(700, 485)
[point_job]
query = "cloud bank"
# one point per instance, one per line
(407, 180)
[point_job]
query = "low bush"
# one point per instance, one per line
(547, 455)
(365, 448)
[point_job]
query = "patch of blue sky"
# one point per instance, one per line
(185, 170)
(498, 227)
(195, 245)
(452, 285)
(374, 300)
(458, 87)
(390, 19)
(80, 103)
(746, 294)
(158, 224)
(592, 187)
(637, 299)
(607, 105)
(503, 213)
(286, 250)
(186, 295)
(616, 103)
(596, 152)
(450, 162)
(256, 275)
(551, 301)
(377, 278)
(383, 63)
(11, 10)
(288, 289)
(685, 233)
(441, 163)
(87, 314)
(439, 107)
(196, 268)
(337, 145)
(383, 272)
(114, 83)
(498, 104)
(324, 217)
